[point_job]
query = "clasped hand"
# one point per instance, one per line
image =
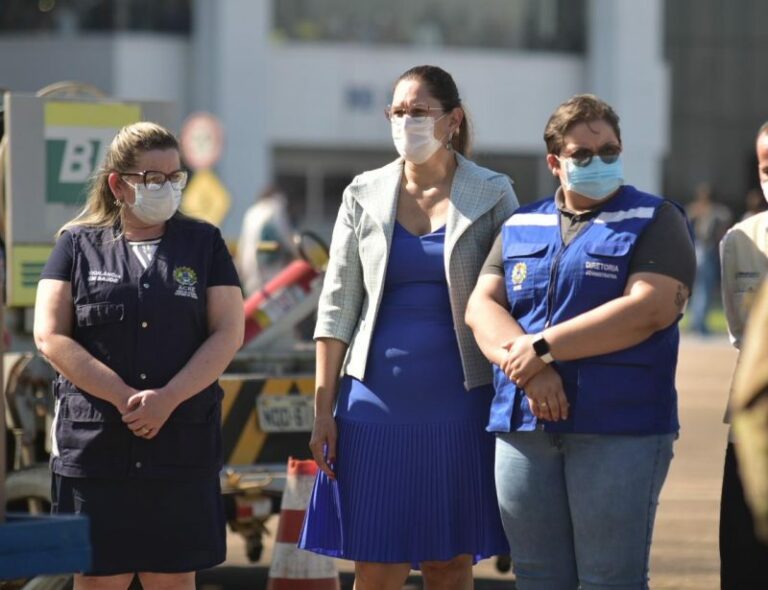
(541, 382)
(147, 411)
(521, 363)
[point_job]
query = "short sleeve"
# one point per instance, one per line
(666, 248)
(59, 263)
(222, 271)
(494, 264)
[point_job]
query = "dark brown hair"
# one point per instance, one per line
(582, 108)
(443, 89)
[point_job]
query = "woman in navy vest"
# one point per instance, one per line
(577, 307)
(139, 310)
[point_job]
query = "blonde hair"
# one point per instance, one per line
(101, 208)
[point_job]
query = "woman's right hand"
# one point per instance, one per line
(546, 395)
(323, 443)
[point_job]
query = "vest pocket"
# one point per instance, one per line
(605, 268)
(523, 269)
(90, 433)
(616, 398)
(96, 314)
(191, 438)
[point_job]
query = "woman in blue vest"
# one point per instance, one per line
(577, 307)
(399, 437)
(139, 310)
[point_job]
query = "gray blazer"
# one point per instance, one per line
(481, 200)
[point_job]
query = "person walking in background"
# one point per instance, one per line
(754, 203)
(744, 264)
(405, 447)
(577, 307)
(139, 310)
(266, 243)
(709, 220)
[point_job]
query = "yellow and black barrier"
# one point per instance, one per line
(244, 440)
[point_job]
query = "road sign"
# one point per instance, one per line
(206, 198)
(202, 140)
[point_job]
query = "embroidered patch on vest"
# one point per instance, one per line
(601, 269)
(103, 276)
(187, 279)
(519, 272)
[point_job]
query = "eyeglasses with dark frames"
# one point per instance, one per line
(154, 180)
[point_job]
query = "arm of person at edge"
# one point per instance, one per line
(54, 321)
(151, 408)
(651, 302)
(488, 316)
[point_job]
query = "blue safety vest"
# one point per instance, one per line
(145, 324)
(631, 391)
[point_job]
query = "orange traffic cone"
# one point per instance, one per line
(293, 568)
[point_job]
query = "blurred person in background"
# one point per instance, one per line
(266, 243)
(754, 203)
(139, 310)
(709, 220)
(399, 437)
(577, 306)
(744, 264)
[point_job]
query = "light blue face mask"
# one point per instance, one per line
(595, 181)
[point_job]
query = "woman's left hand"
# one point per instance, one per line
(521, 363)
(148, 410)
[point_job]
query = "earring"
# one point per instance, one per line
(449, 143)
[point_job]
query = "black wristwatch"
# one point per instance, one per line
(541, 348)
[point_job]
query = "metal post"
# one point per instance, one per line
(3, 146)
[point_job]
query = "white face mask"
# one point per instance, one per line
(153, 207)
(415, 139)
(764, 186)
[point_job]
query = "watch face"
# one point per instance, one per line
(540, 346)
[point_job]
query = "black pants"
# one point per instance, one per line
(743, 558)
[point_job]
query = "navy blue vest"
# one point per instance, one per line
(145, 325)
(631, 391)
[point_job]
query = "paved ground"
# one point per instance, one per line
(684, 554)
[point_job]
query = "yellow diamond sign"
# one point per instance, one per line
(206, 198)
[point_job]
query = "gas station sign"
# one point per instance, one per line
(54, 147)
(77, 136)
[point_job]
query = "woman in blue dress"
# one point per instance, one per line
(406, 467)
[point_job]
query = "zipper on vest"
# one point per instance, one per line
(551, 286)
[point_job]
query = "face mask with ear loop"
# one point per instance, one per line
(597, 180)
(414, 138)
(155, 206)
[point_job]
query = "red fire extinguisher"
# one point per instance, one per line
(292, 294)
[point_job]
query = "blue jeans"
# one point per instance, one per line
(578, 509)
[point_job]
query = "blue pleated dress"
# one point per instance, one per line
(414, 465)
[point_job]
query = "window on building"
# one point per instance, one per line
(548, 25)
(73, 16)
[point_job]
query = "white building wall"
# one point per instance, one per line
(509, 96)
(625, 67)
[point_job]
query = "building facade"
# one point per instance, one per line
(301, 85)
